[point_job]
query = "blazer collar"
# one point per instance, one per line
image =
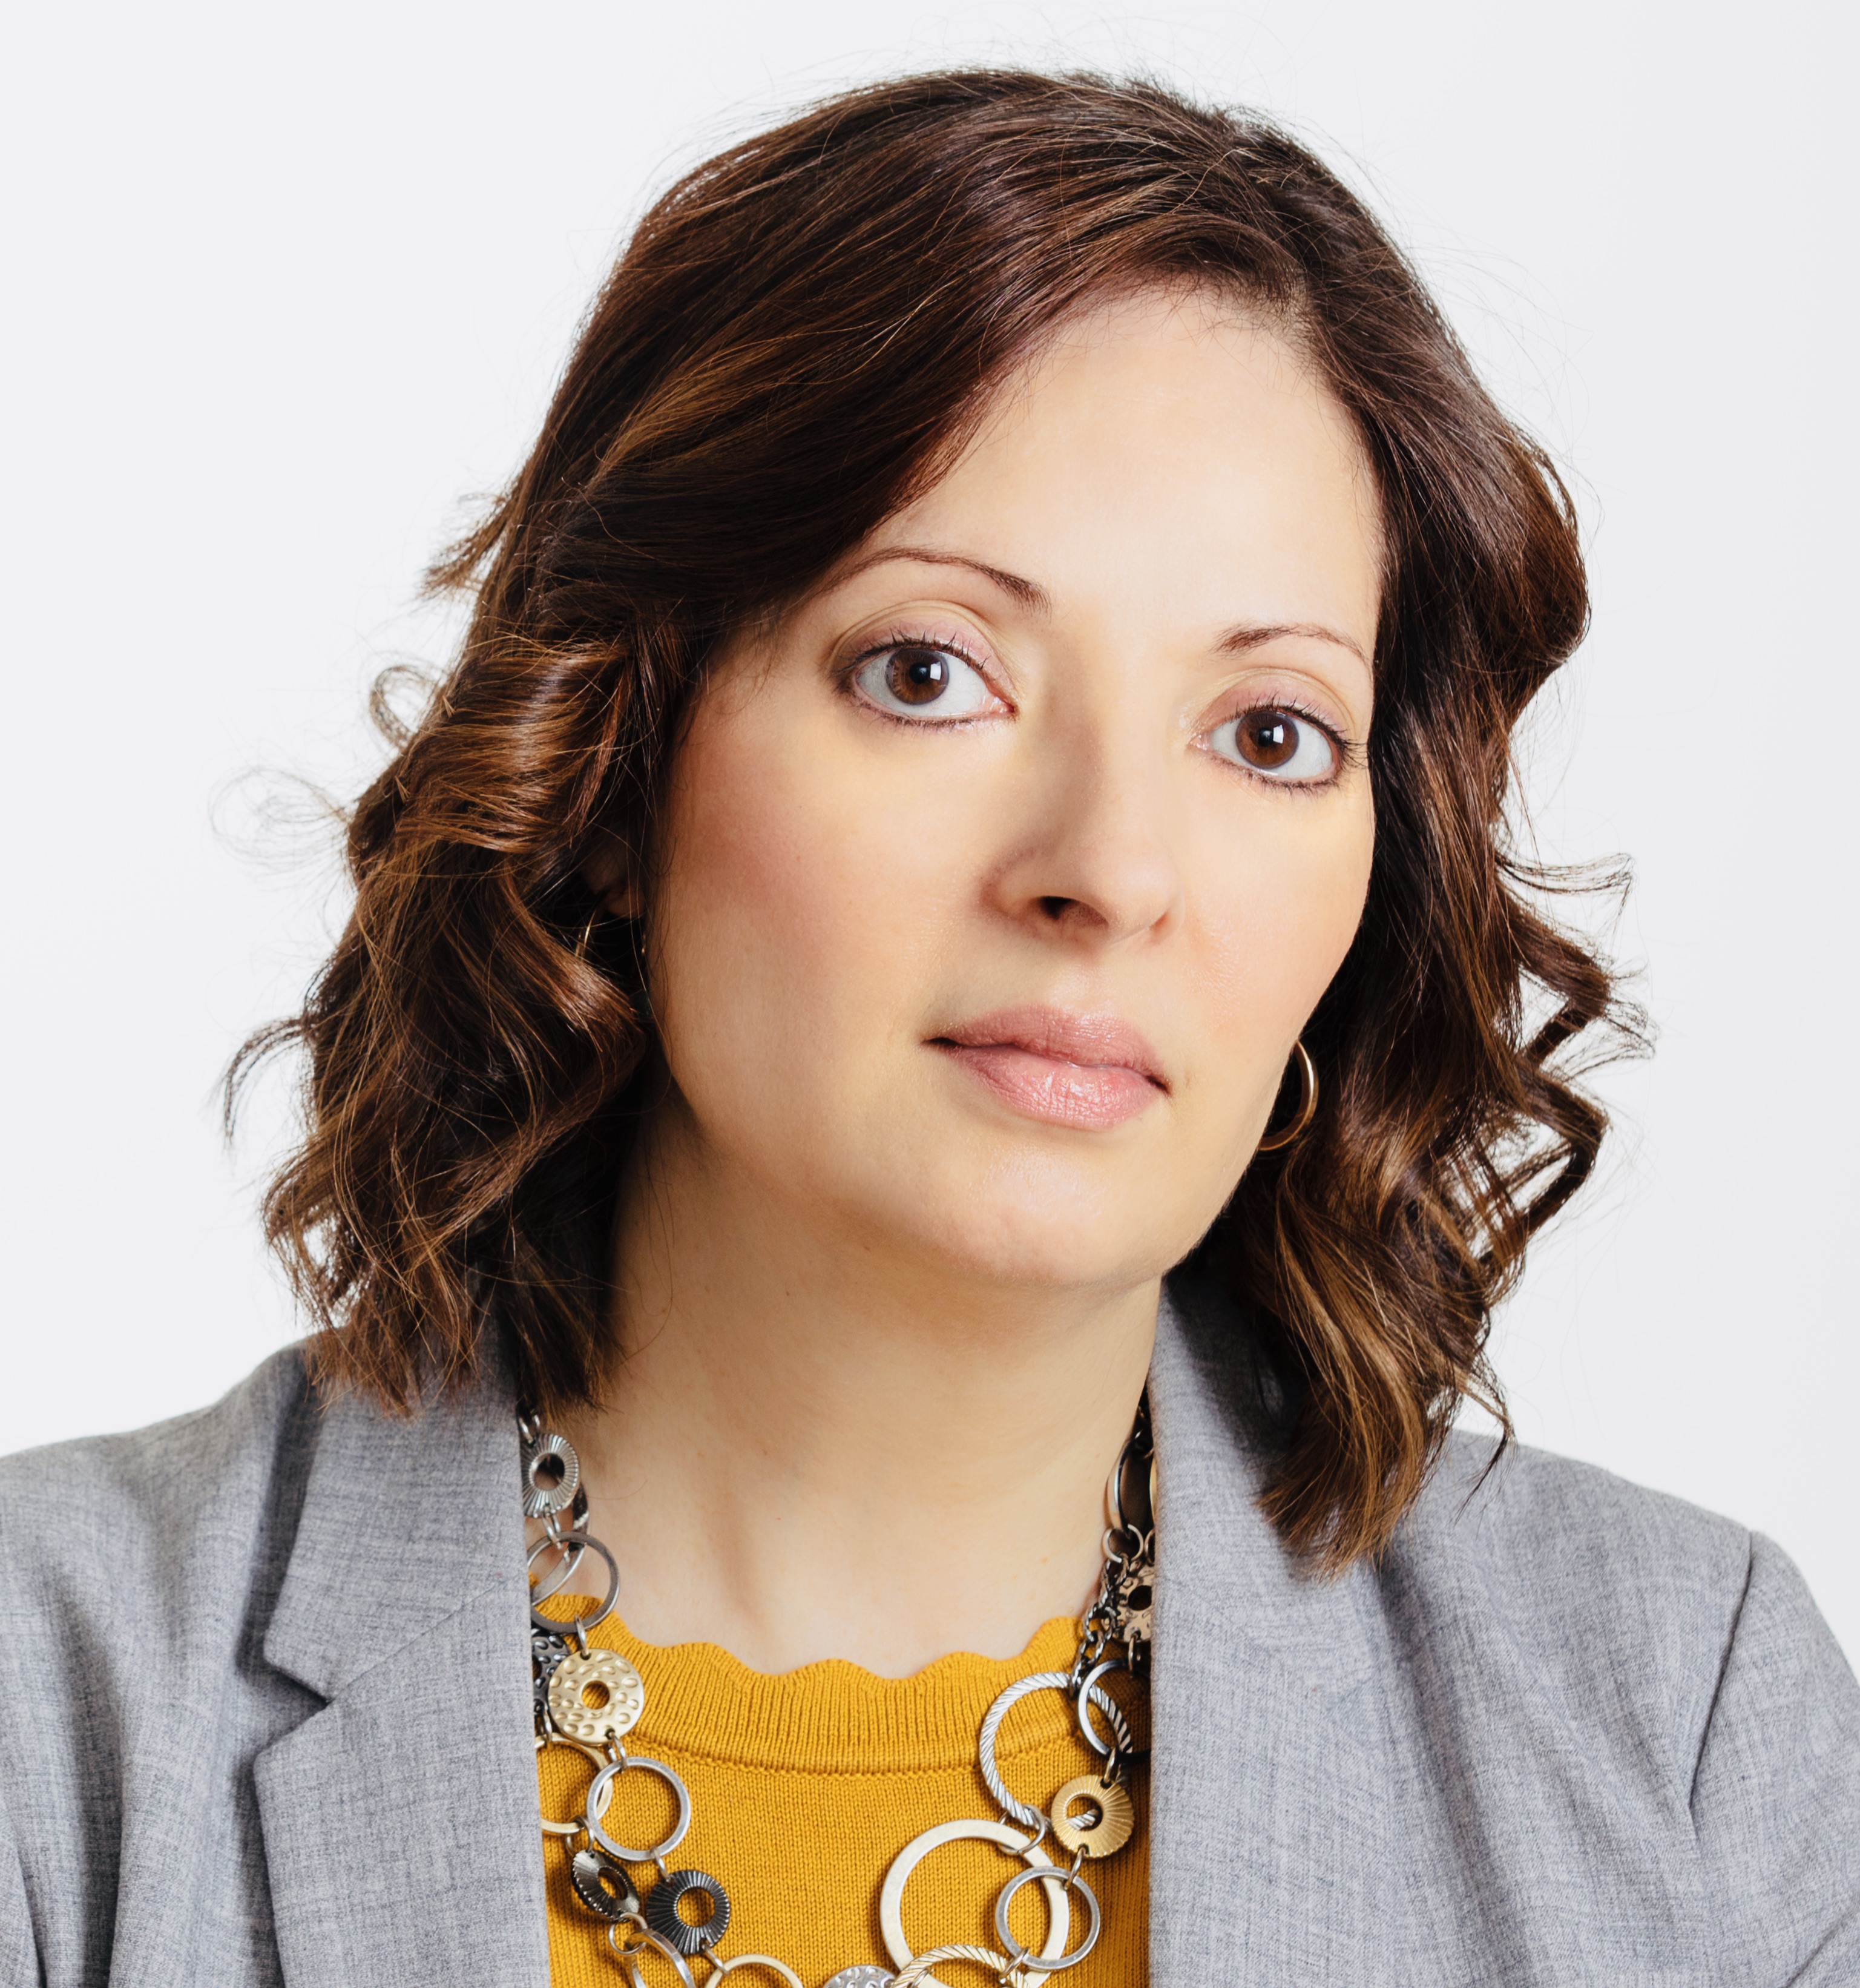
(1271, 1795)
(405, 1520)
(399, 1821)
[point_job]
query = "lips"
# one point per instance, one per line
(1090, 1071)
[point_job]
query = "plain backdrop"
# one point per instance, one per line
(287, 285)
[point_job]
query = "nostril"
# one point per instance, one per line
(1055, 909)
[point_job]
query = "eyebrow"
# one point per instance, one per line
(1236, 641)
(1252, 635)
(1029, 594)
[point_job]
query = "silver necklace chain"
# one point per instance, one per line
(590, 1700)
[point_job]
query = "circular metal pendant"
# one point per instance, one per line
(545, 1653)
(544, 1742)
(551, 1472)
(1091, 1693)
(663, 1915)
(601, 1886)
(1104, 1828)
(774, 1967)
(861, 1977)
(639, 1939)
(571, 1546)
(601, 1793)
(596, 1695)
(1046, 1963)
(891, 1898)
(1024, 1813)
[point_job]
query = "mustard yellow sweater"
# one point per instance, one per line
(805, 1786)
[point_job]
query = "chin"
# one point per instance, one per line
(1080, 1241)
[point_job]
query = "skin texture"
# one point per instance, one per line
(884, 1322)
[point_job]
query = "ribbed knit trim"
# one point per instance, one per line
(833, 1716)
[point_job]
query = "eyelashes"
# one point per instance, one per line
(1279, 743)
(923, 680)
(917, 679)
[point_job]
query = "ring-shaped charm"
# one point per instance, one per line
(628, 1957)
(1116, 1817)
(584, 1623)
(1028, 1817)
(891, 1898)
(607, 1672)
(774, 1967)
(864, 1976)
(1019, 1956)
(1090, 1693)
(918, 1972)
(662, 1913)
(544, 1496)
(587, 1753)
(589, 1872)
(601, 1793)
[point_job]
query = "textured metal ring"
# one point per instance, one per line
(543, 1497)
(628, 1957)
(601, 1793)
(854, 1977)
(880, 1978)
(918, 1972)
(891, 1897)
(1020, 1955)
(589, 1873)
(545, 1653)
(1090, 1693)
(1031, 1819)
(662, 1913)
(1116, 1817)
(623, 1696)
(545, 1740)
(584, 1623)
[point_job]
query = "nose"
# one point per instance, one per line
(1090, 855)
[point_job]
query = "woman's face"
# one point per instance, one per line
(1003, 871)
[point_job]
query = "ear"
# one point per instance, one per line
(611, 871)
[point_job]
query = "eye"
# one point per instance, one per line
(1278, 745)
(925, 681)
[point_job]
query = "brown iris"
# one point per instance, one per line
(1267, 739)
(916, 675)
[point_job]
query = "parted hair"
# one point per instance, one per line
(797, 338)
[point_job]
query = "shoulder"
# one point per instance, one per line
(115, 1539)
(1550, 1541)
(1570, 1601)
(1658, 1681)
(165, 1462)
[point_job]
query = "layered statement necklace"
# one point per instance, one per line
(591, 1699)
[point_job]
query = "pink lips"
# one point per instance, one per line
(1088, 1070)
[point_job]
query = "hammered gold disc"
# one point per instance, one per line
(1116, 1816)
(596, 1695)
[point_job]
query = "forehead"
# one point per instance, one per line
(1171, 445)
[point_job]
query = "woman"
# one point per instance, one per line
(949, 937)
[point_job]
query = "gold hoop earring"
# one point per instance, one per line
(1307, 1102)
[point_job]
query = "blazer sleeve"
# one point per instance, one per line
(1776, 1798)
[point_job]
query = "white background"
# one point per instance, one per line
(287, 283)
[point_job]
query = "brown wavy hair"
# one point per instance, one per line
(797, 338)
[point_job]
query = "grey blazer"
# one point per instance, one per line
(264, 1717)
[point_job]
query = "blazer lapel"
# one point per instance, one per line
(400, 1821)
(1271, 1787)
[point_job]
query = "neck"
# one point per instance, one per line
(814, 1446)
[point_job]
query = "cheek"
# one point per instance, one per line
(1279, 915)
(795, 909)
